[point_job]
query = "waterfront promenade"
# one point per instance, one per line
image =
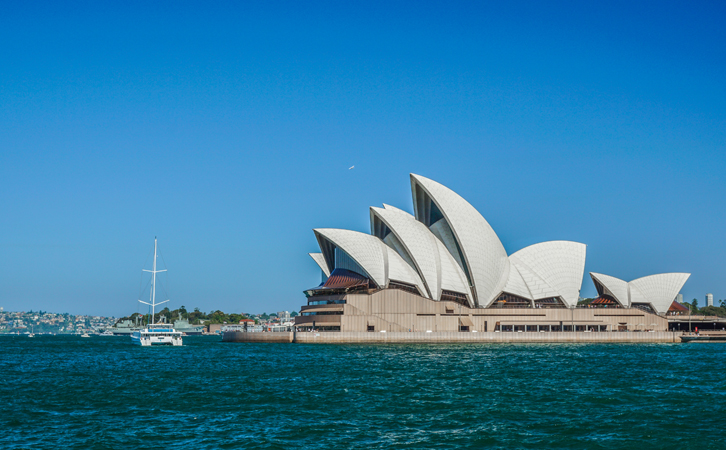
(338, 337)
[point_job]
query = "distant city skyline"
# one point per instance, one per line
(230, 131)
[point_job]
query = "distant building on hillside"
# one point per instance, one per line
(709, 299)
(283, 315)
(679, 298)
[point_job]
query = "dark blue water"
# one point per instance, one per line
(104, 393)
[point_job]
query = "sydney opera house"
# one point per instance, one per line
(445, 269)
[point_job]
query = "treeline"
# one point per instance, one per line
(198, 317)
(719, 311)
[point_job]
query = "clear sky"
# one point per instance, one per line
(227, 130)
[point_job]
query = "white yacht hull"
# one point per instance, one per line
(147, 338)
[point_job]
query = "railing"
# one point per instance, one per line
(695, 317)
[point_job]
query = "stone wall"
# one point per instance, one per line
(448, 337)
(270, 337)
(458, 337)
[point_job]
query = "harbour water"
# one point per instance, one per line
(104, 393)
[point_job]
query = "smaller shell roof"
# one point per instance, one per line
(538, 287)
(659, 290)
(561, 264)
(380, 262)
(516, 285)
(320, 261)
(614, 287)
(366, 250)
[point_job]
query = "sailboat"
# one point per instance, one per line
(32, 334)
(155, 333)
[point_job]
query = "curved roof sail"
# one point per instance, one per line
(614, 287)
(516, 284)
(536, 285)
(426, 253)
(320, 261)
(400, 270)
(482, 255)
(659, 290)
(361, 252)
(561, 264)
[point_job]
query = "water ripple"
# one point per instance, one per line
(99, 393)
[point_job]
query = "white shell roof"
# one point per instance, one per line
(375, 257)
(635, 296)
(616, 287)
(659, 290)
(366, 250)
(320, 261)
(537, 286)
(561, 264)
(452, 277)
(399, 270)
(516, 285)
(432, 260)
(483, 253)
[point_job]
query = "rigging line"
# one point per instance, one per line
(143, 289)
(162, 257)
(147, 258)
(166, 294)
(141, 280)
(164, 283)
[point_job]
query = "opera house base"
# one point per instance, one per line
(342, 337)
(396, 310)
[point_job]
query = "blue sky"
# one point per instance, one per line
(227, 131)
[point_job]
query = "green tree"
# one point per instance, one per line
(714, 311)
(196, 317)
(164, 312)
(235, 318)
(694, 306)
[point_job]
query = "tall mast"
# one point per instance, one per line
(153, 285)
(152, 293)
